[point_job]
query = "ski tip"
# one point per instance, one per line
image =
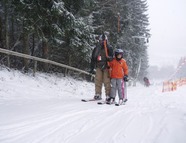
(100, 103)
(117, 104)
(83, 100)
(88, 100)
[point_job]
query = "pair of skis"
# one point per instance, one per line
(111, 103)
(103, 102)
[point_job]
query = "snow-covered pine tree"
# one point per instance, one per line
(63, 30)
(51, 30)
(134, 35)
(76, 36)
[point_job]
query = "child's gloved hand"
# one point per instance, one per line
(125, 78)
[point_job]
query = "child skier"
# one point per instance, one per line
(119, 74)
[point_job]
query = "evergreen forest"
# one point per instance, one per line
(66, 31)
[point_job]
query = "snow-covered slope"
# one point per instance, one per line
(47, 109)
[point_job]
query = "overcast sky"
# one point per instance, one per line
(167, 20)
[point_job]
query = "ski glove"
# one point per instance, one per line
(92, 71)
(109, 59)
(125, 78)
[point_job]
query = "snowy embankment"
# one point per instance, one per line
(47, 109)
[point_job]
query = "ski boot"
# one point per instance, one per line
(97, 97)
(110, 100)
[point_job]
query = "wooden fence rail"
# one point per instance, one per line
(8, 52)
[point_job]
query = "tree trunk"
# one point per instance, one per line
(1, 33)
(25, 50)
(7, 34)
(12, 31)
(45, 53)
(33, 44)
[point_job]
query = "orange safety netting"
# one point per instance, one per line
(181, 82)
(172, 85)
(169, 86)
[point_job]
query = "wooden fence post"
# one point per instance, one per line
(35, 67)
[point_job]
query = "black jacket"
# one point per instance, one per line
(100, 51)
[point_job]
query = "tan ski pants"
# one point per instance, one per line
(102, 77)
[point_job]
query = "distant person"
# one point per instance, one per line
(146, 81)
(119, 75)
(101, 55)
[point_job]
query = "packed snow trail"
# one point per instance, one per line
(48, 109)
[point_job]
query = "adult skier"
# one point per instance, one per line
(101, 56)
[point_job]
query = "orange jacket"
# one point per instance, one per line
(118, 68)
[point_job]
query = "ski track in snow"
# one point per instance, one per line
(49, 110)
